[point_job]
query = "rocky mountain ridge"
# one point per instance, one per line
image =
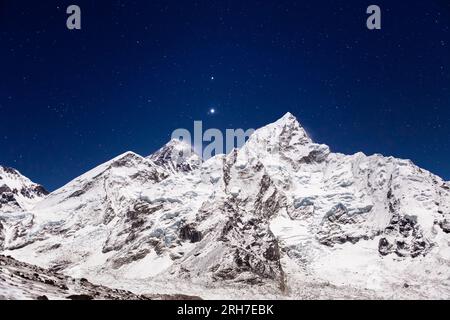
(270, 219)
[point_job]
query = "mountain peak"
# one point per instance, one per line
(17, 192)
(288, 117)
(10, 171)
(127, 154)
(177, 156)
(284, 133)
(180, 144)
(290, 121)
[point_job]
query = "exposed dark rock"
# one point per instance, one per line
(145, 176)
(143, 209)
(8, 198)
(82, 191)
(334, 229)
(47, 249)
(445, 225)
(11, 171)
(131, 257)
(80, 297)
(384, 247)
(301, 209)
(2, 236)
(337, 212)
(315, 156)
(109, 214)
(273, 252)
(4, 189)
(253, 247)
(126, 160)
(33, 191)
(404, 237)
(228, 227)
(40, 190)
(266, 205)
(188, 232)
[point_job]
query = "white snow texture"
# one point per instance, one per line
(282, 217)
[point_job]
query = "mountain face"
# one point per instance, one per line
(280, 217)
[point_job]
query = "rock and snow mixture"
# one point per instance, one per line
(281, 217)
(18, 193)
(23, 281)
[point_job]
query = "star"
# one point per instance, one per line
(212, 111)
(212, 78)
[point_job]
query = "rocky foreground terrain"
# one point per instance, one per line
(19, 280)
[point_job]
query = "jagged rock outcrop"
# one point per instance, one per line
(404, 237)
(445, 225)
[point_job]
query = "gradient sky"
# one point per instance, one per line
(70, 100)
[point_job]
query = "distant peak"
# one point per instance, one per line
(178, 146)
(288, 116)
(125, 159)
(177, 156)
(179, 143)
(128, 154)
(17, 192)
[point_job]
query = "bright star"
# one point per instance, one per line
(212, 111)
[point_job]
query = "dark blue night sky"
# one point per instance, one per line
(70, 100)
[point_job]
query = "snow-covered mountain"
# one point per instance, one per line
(176, 156)
(17, 194)
(280, 217)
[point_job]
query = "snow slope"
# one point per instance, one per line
(282, 217)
